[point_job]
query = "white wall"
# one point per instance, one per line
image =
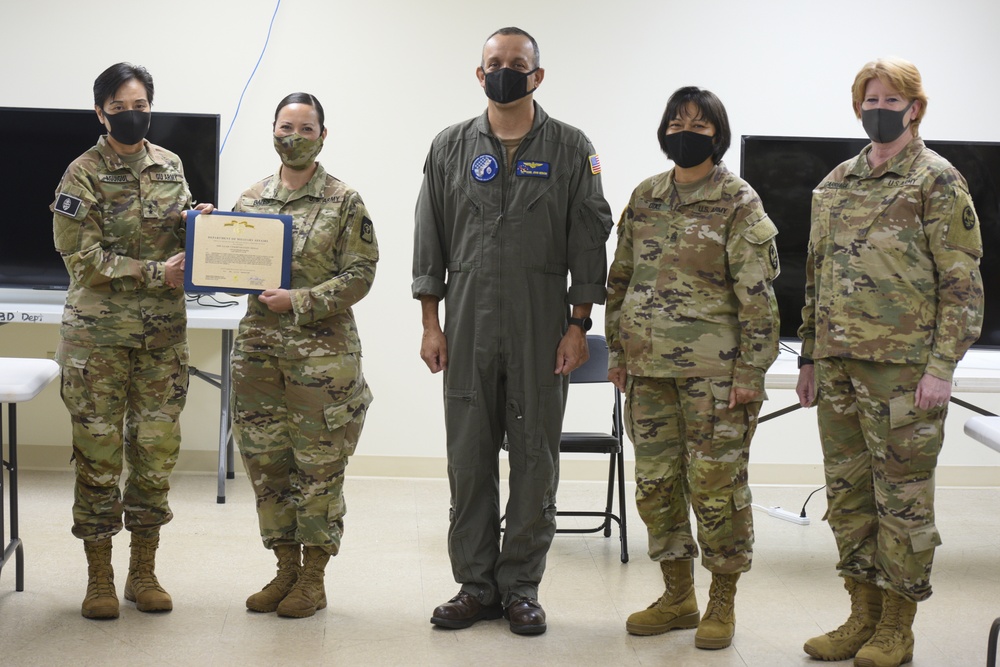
(392, 73)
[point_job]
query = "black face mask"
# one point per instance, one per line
(884, 126)
(507, 85)
(688, 149)
(128, 127)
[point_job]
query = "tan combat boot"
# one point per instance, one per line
(308, 594)
(892, 643)
(844, 642)
(676, 608)
(141, 586)
(718, 626)
(289, 565)
(101, 600)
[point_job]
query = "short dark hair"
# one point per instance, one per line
(510, 30)
(111, 79)
(711, 109)
(302, 98)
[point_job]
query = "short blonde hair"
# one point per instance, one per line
(896, 73)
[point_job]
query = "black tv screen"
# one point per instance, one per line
(785, 170)
(40, 144)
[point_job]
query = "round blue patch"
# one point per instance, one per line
(485, 168)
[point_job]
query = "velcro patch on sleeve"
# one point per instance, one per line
(761, 231)
(963, 230)
(367, 230)
(67, 205)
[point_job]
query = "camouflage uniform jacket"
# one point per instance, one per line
(689, 291)
(892, 273)
(115, 228)
(334, 252)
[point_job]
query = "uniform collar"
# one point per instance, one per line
(114, 162)
(483, 122)
(710, 190)
(898, 164)
(314, 188)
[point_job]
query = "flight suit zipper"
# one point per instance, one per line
(502, 151)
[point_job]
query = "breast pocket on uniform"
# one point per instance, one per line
(541, 229)
(464, 241)
(895, 225)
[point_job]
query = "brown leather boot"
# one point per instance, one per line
(289, 565)
(101, 600)
(892, 643)
(308, 593)
(676, 608)
(141, 586)
(718, 626)
(844, 642)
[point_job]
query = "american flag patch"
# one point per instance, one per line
(595, 164)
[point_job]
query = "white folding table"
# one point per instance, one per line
(20, 380)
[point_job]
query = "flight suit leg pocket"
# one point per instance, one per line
(514, 435)
(461, 416)
(542, 441)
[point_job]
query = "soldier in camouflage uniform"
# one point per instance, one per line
(894, 298)
(692, 327)
(299, 396)
(123, 350)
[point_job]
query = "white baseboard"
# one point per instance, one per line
(48, 457)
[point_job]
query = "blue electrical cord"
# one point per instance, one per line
(264, 50)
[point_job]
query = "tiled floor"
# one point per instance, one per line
(393, 570)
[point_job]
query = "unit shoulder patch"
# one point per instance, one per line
(963, 229)
(67, 204)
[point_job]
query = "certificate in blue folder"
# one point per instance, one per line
(237, 252)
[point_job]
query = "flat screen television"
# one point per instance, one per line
(40, 143)
(785, 170)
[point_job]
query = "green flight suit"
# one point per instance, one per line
(496, 240)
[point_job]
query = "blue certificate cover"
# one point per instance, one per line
(241, 253)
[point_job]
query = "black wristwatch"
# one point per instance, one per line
(584, 323)
(803, 361)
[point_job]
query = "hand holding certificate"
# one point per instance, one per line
(237, 252)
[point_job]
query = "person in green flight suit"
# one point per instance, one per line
(511, 204)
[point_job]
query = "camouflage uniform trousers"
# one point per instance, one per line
(691, 450)
(297, 421)
(879, 455)
(127, 400)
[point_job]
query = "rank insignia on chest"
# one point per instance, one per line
(367, 230)
(485, 168)
(535, 169)
(67, 204)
